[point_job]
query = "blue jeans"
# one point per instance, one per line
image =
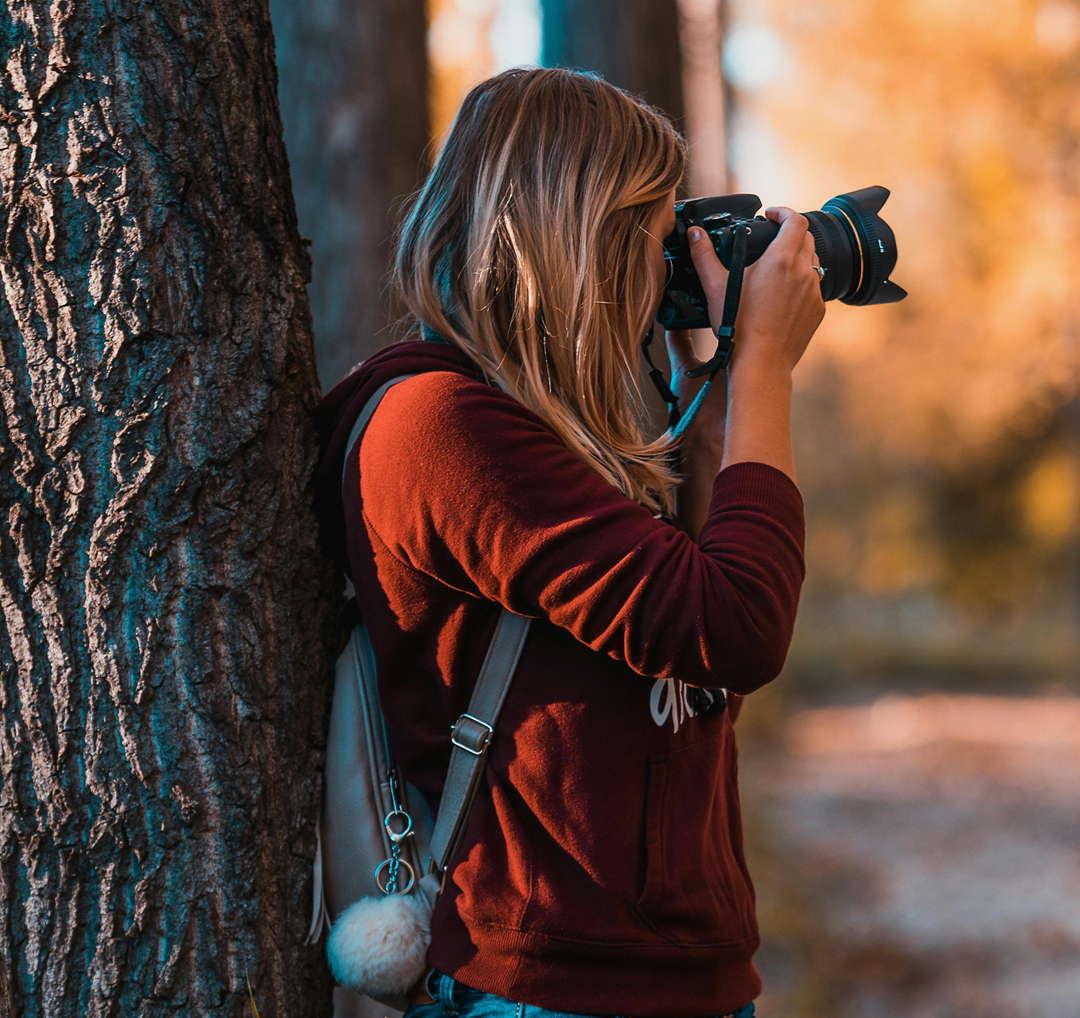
(456, 1000)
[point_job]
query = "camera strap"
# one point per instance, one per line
(660, 382)
(725, 335)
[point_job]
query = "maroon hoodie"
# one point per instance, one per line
(602, 871)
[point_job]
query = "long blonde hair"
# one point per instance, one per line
(527, 246)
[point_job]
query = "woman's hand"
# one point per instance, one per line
(781, 305)
(780, 309)
(683, 357)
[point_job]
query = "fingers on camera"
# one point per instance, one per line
(793, 228)
(705, 257)
(696, 235)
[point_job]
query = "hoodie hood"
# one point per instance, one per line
(338, 410)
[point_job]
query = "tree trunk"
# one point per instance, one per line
(633, 45)
(166, 612)
(354, 101)
(705, 95)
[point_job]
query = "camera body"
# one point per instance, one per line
(855, 246)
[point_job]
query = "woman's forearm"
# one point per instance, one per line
(701, 462)
(758, 430)
(701, 452)
(759, 416)
(781, 308)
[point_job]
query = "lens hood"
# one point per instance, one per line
(874, 245)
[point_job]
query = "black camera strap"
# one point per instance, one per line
(725, 335)
(660, 382)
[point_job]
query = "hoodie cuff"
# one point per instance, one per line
(760, 487)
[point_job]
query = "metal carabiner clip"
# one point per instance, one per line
(396, 811)
(398, 836)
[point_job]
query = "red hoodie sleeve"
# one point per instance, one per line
(464, 484)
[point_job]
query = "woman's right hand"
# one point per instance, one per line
(781, 305)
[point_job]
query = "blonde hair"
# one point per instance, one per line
(528, 247)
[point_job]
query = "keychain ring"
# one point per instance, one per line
(401, 862)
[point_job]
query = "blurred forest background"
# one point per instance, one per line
(912, 785)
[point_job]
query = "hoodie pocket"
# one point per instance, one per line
(697, 888)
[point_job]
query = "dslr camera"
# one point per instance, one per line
(855, 246)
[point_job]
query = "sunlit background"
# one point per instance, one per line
(913, 780)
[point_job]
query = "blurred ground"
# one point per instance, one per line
(917, 857)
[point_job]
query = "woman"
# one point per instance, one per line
(602, 871)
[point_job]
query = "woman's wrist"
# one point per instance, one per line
(705, 437)
(703, 448)
(749, 367)
(759, 414)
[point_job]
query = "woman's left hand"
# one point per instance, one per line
(707, 430)
(681, 353)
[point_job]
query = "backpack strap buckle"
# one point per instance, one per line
(471, 734)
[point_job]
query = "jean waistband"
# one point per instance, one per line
(441, 988)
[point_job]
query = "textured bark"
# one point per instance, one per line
(354, 102)
(165, 609)
(633, 45)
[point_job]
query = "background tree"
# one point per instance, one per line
(634, 46)
(705, 94)
(166, 613)
(354, 101)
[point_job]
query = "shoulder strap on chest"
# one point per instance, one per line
(472, 732)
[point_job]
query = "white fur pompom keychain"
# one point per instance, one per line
(378, 946)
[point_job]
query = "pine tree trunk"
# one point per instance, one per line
(166, 612)
(354, 101)
(633, 45)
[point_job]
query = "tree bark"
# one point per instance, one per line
(633, 45)
(354, 101)
(166, 612)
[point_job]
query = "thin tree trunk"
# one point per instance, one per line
(354, 101)
(165, 609)
(701, 36)
(633, 45)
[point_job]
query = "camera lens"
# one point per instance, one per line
(856, 247)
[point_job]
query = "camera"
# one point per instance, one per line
(855, 246)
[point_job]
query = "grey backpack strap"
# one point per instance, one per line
(471, 735)
(365, 417)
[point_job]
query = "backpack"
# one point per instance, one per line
(381, 857)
